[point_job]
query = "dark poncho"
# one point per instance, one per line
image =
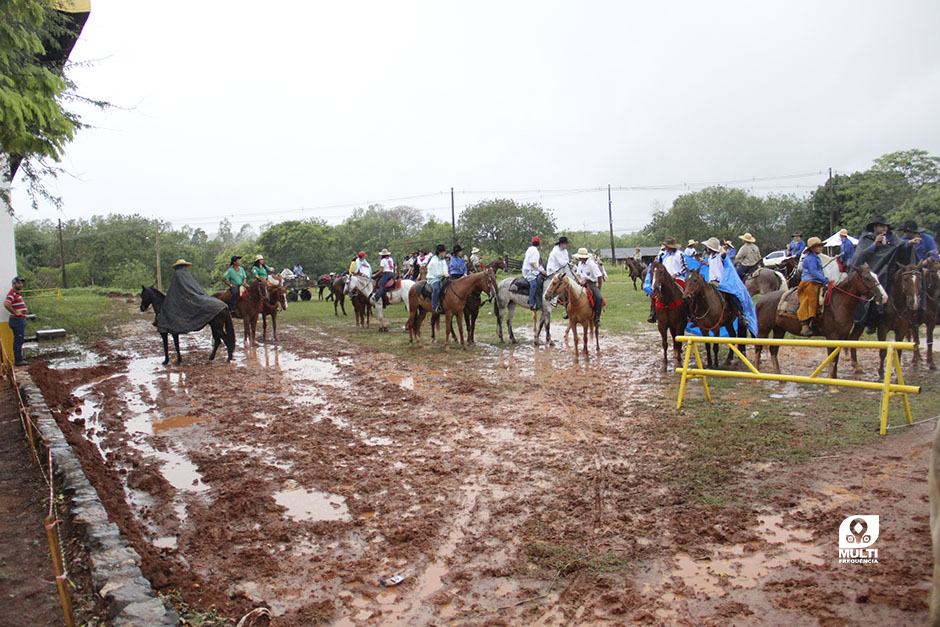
(881, 260)
(187, 307)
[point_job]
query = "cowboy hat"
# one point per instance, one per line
(877, 220)
(910, 227)
(844, 232)
(813, 241)
(562, 240)
(385, 252)
(259, 257)
(181, 262)
(747, 237)
(582, 253)
(796, 234)
(728, 243)
(692, 242)
(712, 243)
(474, 250)
(670, 242)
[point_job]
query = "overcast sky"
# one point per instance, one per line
(288, 110)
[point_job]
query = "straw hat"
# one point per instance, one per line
(670, 242)
(813, 241)
(728, 243)
(385, 252)
(259, 257)
(713, 244)
(747, 237)
(474, 250)
(692, 242)
(844, 233)
(582, 253)
(181, 262)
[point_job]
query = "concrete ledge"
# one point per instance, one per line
(115, 566)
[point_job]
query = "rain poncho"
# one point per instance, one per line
(187, 307)
(881, 259)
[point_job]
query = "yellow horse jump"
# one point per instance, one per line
(888, 389)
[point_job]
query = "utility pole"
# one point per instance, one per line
(832, 211)
(453, 221)
(62, 255)
(156, 243)
(610, 216)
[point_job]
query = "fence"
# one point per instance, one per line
(47, 292)
(888, 389)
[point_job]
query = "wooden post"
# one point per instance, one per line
(62, 255)
(610, 216)
(56, 551)
(156, 244)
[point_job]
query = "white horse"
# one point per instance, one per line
(507, 301)
(394, 297)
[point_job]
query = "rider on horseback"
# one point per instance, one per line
(473, 263)
(690, 249)
(388, 273)
(810, 283)
(714, 259)
(748, 257)
(457, 267)
(533, 272)
(437, 270)
(588, 274)
(796, 247)
(234, 277)
(675, 264)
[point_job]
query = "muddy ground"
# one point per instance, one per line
(516, 488)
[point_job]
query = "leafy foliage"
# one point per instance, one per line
(504, 226)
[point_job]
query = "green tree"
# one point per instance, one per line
(376, 228)
(504, 226)
(312, 243)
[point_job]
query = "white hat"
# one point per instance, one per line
(713, 244)
(583, 253)
(385, 252)
(181, 262)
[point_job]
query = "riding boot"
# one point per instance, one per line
(652, 317)
(597, 320)
(806, 331)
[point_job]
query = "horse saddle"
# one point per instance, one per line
(519, 286)
(789, 303)
(424, 288)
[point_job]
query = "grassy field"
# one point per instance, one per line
(85, 313)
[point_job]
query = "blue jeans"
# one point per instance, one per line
(535, 289)
(234, 293)
(18, 326)
(435, 295)
(385, 278)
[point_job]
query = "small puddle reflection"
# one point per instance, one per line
(311, 505)
(176, 422)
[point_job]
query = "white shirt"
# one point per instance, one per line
(363, 266)
(531, 265)
(423, 260)
(716, 267)
(690, 251)
(673, 263)
(588, 270)
(557, 259)
(388, 265)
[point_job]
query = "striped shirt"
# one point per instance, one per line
(15, 300)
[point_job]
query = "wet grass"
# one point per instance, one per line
(564, 560)
(86, 314)
(192, 616)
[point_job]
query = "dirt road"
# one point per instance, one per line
(513, 488)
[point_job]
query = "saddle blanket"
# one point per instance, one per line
(519, 286)
(789, 303)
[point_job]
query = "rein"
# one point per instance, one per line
(855, 296)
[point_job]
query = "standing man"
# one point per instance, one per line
(748, 256)
(588, 275)
(558, 258)
(848, 248)
(437, 270)
(234, 278)
(690, 249)
(533, 272)
(810, 283)
(474, 264)
(796, 246)
(388, 273)
(16, 306)
(923, 243)
(675, 264)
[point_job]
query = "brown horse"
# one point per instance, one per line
(712, 310)
(362, 308)
(637, 271)
(900, 312)
(672, 313)
(474, 301)
(763, 281)
(276, 299)
(249, 305)
(579, 309)
(339, 295)
(928, 316)
(453, 300)
(789, 269)
(837, 318)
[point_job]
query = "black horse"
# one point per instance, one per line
(222, 328)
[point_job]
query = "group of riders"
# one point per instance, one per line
(879, 246)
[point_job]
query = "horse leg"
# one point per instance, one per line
(664, 333)
(854, 335)
(342, 304)
(176, 345)
(915, 337)
(460, 328)
(587, 336)
(274, 325)
(511, 310)
(166, 349)
(547, 317)
(264, 328)
(928, 337)
(778, 335)
(574, 330)
(216, 337)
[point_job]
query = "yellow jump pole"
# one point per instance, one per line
(826, 362)
(907, 405)
(886, 390)
(698, 360)
(684, 371)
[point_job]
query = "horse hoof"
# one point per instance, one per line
(551, 343)
(166, 361)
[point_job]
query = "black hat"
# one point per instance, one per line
(457, 249)
(877, 220)
(233, 259)
(17, 279)
(562, 240)
(910, 226)
(439, 249)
